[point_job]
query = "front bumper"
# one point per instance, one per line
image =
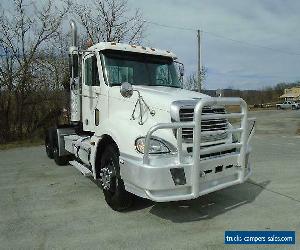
(156, 182)
(183, 175)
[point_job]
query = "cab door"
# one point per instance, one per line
(90, 92)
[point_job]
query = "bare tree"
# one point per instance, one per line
(110, 20)
(191, 82)
(24, 34)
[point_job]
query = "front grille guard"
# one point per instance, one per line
(196, 170)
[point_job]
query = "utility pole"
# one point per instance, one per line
(199, 60)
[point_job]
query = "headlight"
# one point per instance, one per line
(156, 146)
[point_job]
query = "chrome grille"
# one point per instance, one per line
(187, 114)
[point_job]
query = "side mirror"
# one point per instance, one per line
(180, 68)
(126, 89)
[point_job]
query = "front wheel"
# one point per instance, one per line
(113, 186)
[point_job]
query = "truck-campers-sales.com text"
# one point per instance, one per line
(249, 239)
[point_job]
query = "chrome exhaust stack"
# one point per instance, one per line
(75, 103)
(74, 33)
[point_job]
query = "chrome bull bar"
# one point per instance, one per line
(196, 170)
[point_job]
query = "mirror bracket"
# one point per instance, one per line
(126, 91)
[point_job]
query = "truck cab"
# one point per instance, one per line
(139, 133)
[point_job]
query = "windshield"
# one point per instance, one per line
(139, 69)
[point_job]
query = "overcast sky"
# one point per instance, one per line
(268, 23)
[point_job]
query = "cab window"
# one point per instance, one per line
(91, 72)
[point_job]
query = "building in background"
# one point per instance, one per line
(291, 94)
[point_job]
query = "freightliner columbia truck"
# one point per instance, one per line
(134, 128)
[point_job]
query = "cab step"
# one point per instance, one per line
(83, 169)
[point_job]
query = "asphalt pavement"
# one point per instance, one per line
(45, 206)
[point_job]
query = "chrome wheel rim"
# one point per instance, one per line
(108, 177)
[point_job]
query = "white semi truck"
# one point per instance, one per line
(135, 130)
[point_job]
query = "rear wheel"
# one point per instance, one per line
(49, 142)
(113, 186)
(49, 148)
(59, 160)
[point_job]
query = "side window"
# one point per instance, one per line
(91, 72)
(95, 73)
(88, 71)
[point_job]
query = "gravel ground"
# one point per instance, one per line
(44, 206)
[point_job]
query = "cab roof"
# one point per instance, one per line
(132, 48)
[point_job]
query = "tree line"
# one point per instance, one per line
(259, 97)
(34, 75)
(34, 40)
(265, 97)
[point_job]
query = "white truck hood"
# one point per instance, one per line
(161, 97)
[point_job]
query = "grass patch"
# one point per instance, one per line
(23, 143)
(262, 109)
(233, 108)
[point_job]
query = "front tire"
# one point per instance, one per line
(113, 186)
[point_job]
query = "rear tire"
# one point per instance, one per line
(113, 186)
(49, 142)
(59, 160)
